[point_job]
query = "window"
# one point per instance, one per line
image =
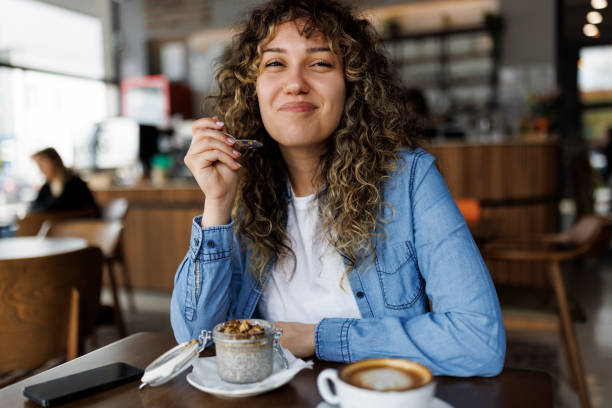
(595, 74)
(38, 35)
(52, 90)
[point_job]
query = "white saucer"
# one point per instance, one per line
(241, 391)
(204, 377)
(435, 403)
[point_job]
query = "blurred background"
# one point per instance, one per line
(514, 97)
(79, 76)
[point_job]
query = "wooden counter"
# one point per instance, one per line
(157, 230)
(516, 184)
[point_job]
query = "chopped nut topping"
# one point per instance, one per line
(241, 327)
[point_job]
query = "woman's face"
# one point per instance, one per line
(300, 89)
(46, 167)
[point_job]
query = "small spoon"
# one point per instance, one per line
(249, 144)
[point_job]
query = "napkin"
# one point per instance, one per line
(205, 369)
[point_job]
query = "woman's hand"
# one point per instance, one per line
(298, 338)
(212, 161)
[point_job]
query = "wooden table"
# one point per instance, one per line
(30, 247)
(512, 388)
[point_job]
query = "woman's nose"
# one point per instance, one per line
(296, 83)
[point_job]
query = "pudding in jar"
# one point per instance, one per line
(244, 350)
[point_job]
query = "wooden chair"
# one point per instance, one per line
(116, 210)
(47, 307)
(590, 235)
(30, 224)
(98, 233)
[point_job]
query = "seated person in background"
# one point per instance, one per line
(63, 190)
(416, 103)
(340, 228)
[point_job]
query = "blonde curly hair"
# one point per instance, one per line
(362, 152)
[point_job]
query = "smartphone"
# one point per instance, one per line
(81, 384)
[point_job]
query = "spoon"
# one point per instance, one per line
(249, 144)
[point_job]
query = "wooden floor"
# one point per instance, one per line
(594, 292)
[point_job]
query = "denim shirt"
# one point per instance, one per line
(425, 252)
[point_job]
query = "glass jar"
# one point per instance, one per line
(244, 358)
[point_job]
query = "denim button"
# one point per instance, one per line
(360, 294)
(210, 244)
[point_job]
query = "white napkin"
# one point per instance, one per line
(205, 369)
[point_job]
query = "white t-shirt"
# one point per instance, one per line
(313, 291)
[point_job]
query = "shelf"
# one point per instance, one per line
(438, 34)
(472, 81)
(454, 66)
(465, 56)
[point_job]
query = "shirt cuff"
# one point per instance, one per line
(331, 340)
(210, 243)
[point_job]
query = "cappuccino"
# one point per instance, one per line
(379, 382)
(386, 374)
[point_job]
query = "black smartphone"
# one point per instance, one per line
(81, 384)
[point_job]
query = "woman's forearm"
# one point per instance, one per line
(448, 343)
(201, 294)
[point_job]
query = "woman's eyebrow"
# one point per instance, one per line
(318, 49)
(310, 50)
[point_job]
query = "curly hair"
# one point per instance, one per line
(362, 152)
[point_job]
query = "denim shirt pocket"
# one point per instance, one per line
(399, 276)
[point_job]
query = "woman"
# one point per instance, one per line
(339, 229)
(63, 190)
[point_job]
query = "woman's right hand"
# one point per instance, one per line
(212, 161)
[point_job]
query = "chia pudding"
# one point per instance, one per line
(244, 350)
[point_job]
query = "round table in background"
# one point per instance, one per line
(31, 247)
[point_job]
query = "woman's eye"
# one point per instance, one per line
(274, 64)
(323, 64)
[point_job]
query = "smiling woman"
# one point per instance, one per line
(339, 229)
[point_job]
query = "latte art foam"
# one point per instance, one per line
(386, 379)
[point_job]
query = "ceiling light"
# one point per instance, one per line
(590, 30)
(594, 17)
(599, 4)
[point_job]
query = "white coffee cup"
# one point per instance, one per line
(377, 383)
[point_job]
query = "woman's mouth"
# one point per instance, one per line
(297, 107)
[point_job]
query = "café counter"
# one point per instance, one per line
(157, 229)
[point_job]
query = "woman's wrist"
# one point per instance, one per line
(216, 213)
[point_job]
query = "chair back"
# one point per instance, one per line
(47, 306)
(32, 222)
(98, 233)
(591, 233)
(115, 210)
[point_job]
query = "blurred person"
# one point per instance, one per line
(340, 229)
(416, 103)
(63, 189)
